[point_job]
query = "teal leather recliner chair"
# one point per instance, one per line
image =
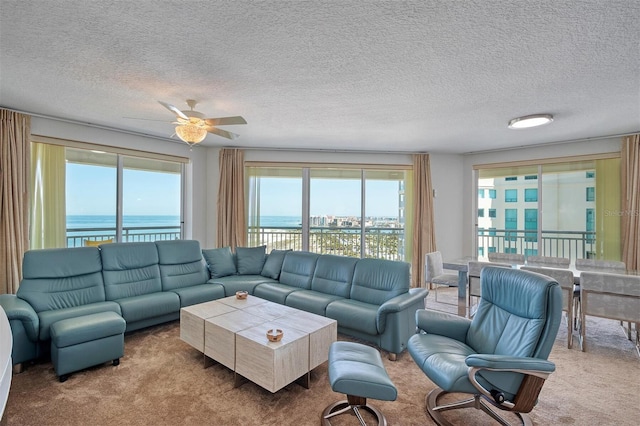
(500, 357)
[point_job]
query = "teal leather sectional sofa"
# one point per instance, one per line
(147, 283)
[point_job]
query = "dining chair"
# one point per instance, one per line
(564, 277)
(435, 275)
(596, 265)
(550, 261)
(474, 268)
(511, 258)
(612, 296)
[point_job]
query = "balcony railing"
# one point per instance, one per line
(77, 236)
(380, 243)
(569, 244)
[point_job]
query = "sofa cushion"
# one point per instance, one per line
(377, 280)
(220, 262)
(297, 269)
(274, 292)
(233, 283)
(333, 275)
(354, 314)
(181, 264)
(273, 264)
(62, 278)
(250, 260)
(147, 306)
(199, 293)
(47, 318)
(130, 269)
(311, 301)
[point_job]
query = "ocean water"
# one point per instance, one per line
(128, 221)
(280, 221)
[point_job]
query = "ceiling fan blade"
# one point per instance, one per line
(222, 133)
(174, 110)
(224, 121)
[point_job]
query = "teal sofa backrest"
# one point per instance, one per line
(376, 280)
(130, 269)
(297, 268)
(61, 278)
(181, 264)
(333, 275)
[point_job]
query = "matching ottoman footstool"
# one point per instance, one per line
(85, 341)
(357, 371)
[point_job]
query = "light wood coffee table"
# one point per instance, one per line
(233, 333)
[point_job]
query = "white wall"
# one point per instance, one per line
(448, 180)
(595, 146)
(196, 171)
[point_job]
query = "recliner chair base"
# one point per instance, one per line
(478, 402)
(354, 404)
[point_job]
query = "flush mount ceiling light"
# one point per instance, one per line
(530, 121)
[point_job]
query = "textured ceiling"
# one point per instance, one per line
(439, 76)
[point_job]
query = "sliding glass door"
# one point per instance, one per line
(88, 196)
(349, 211)
(551, 209)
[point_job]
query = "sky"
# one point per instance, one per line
(91, 190)
(283, 197)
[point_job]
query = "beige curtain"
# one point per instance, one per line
(232, 228)
(48, 209)
(424, 238)
(630, 171)
(15, 140)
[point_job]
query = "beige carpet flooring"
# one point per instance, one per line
(161, 381)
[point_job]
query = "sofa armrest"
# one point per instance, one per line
(398, 304)
(18, 309)
(443, 324)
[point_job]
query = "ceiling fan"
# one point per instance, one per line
(192, 126)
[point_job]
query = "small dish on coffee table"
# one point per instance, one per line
(274, 335)
(241, 295)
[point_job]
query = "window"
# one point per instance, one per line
(480, 193)
(553, 208)
(531, 194)
(590, 225)
(492, 194)
(347, 211)
(510, 223)
(75, 197)
(492, 213)
(481, 251)
(492, 250)
(531, 224)
(480, 212)
(530, 252)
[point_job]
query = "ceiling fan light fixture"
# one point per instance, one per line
(191, 133)
(530, 121)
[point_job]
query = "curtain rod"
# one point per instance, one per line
(88, 124)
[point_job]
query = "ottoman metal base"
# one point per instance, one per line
(354, 404)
